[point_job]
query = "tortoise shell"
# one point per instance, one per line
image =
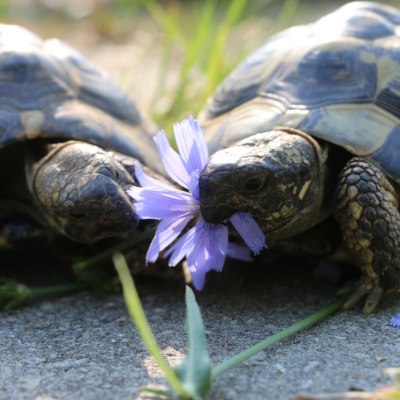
(337, 79)
(49, 90)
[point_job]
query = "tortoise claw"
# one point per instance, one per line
(356, 296)
(373, 299)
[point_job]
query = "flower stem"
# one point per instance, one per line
(298, 326)
(137, 314)
(108, 253)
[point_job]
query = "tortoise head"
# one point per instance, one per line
(277, 176)
(81, 191)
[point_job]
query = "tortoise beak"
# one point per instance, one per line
(214, 189)
(218, 214)
(101, 217)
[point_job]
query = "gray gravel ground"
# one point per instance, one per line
(84, 346)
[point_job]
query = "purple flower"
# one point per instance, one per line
(395, 321)
(204, 245)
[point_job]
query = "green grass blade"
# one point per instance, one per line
(286, 15)
(13, 294)
(160, 88)
(192, 57)
(195, 370)
(216, 68)
(137, 314)
(81, 265)
(291, 330)
(166, 20)
(158, 392)
(204, 27)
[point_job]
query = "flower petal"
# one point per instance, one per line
(198, 277)
(181, 248)
(157, 203)
(205, 245)
(217, 242)
(191, 144)
(209, 251)
(148, 181)
(194, 184)
(167, 231)
(249, 231)
(171, 160)
(395, 321)
(239, 252)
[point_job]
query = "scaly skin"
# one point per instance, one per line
(81, 191)
(367, 211)
(286, 180)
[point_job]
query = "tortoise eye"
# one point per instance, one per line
(254, 184)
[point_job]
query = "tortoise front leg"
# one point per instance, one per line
(21, 233)
(367, 211)
(20, 226)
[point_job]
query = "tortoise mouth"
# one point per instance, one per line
(215, 187)
(99, 219)
(216, 214)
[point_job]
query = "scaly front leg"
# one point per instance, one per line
(367, 211)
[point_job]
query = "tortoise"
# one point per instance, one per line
(69, 140)
(307, 130)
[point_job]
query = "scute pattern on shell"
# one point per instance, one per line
(49, 90)
(337, 79)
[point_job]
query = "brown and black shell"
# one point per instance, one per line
(337, 79)
(50, 91)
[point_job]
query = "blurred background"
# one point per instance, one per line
(169, 55)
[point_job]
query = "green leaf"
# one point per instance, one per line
(194, 371)
(158, 392)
